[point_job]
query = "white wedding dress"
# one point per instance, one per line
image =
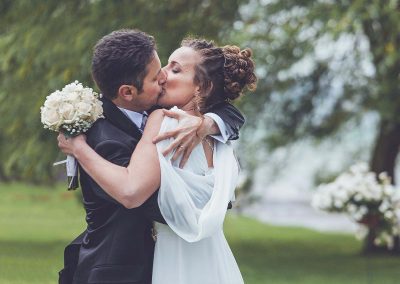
(193, 201)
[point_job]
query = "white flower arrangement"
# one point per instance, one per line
(71, 111)
(369, 200)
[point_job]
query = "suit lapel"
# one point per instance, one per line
(119, 119)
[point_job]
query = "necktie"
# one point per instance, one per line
(144, 120)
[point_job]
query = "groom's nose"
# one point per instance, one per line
(163, 77)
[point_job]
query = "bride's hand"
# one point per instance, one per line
(71, 145)
(185, 135)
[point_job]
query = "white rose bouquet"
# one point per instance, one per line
(72, 111)
(370, 200)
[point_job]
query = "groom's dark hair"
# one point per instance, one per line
(121, 58)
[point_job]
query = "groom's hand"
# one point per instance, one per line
(185, 135)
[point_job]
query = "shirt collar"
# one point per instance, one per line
(135, 117)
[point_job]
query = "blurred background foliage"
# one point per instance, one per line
(46, 44)
(322, 65)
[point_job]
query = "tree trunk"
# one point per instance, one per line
(384, 160)
(386, 149)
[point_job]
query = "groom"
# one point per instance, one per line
(117, 246)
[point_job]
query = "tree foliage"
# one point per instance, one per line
(323, 63)
(46, 44)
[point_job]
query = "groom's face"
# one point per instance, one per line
(152, 83)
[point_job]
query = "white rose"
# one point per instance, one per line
(97, 110)
(53, 101)
(87, 97)
(50, 117)
(73, 87)
(73, 97)
(67, 111)
(84, 108)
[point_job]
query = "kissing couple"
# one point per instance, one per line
(156, 189)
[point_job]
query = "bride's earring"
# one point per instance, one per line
(197, 102)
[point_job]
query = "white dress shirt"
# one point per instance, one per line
(135, 117)
(224, 136)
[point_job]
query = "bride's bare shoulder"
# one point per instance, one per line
(156, 115)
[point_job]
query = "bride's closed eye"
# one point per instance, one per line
(174, 67)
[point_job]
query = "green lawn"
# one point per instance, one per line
(36, 224)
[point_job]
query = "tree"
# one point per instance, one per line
(324, 63)
(46, 44)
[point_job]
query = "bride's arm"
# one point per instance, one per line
(130, 186)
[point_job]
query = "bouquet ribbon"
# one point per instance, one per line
(72, 171)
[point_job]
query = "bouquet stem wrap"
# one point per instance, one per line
(72, 172)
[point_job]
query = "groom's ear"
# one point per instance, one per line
(127, 92)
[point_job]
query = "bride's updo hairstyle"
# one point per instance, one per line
(223, 72)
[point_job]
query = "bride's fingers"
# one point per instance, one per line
(62, 146)
(186, 154)
(179, 150)
(183, 162)
(60, 139)
(172, 146)
(165, 135)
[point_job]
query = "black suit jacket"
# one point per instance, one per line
(117, 246)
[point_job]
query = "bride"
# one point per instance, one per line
(192, 200)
